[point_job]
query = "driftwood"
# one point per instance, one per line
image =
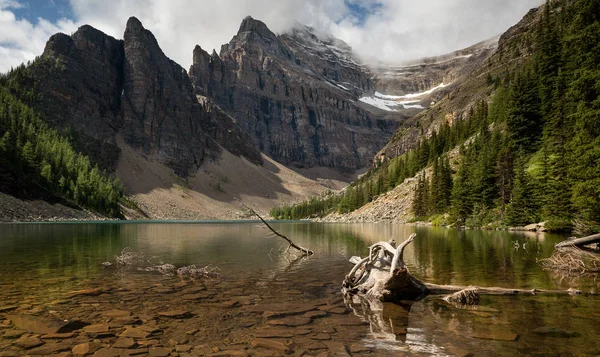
(579, 242)
(572, 261)
(383, 276)
(304, 251)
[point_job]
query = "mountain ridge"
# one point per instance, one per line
(294, 96)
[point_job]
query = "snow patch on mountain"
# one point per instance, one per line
(392, 103)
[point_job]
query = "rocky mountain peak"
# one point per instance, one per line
(58, 44)
(310, 35)
(250, 24)
(136, 33)
(295, 95)
(133, 24)
(91, 34)
(200, 55)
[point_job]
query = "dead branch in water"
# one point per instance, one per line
(304, 251)
(132, 260)
(383, 276)
(572, 261)
(579, 242)
(436, 289)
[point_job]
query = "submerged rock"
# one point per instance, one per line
(13, 334)
(176, 314)
(85, 348)
(28, 342)
(497, 335)
(134, 333)
(555, 332)
(124, 342)
(37, 324)
(116, 314)
(291, 321)
(269, 344)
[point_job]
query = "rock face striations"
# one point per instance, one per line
(295, 95)
(160, 111)
(79, 79)
(98, 87)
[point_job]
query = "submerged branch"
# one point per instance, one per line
(572, 261)
(436, 289)
(132, 260)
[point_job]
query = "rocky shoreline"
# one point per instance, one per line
(13, 209)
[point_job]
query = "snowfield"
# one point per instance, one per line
(392, 103)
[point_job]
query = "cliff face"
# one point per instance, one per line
(97, 87)
(160, 112)
(295, 95)
(79, 81)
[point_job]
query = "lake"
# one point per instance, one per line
(267, 303)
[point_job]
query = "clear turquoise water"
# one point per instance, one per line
(59, 257)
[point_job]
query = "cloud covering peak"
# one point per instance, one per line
(389, 30)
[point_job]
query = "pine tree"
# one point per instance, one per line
(524, 121)
(556, 207)
(461, 200)
(421, 197)
(522, 208)
(547, 58)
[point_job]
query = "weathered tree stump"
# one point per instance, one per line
(383, 276)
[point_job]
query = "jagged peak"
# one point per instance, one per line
(200, 55)
(199, 49)
(134, 30)
(91, 33)
(133, 24)
(58, 43)
(249, 24)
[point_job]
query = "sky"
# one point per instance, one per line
(391, 31)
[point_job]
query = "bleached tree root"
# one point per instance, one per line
(383, 276)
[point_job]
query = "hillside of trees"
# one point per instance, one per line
(36, 161)
(530, 153)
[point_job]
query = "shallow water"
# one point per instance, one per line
(42, 264)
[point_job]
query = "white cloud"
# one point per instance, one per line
(404, 30)
(20, 40)
(398, 30)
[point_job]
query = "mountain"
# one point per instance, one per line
(295, 95)
(124, 101)
(299, 99)
(513, 143)
(130, 88)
